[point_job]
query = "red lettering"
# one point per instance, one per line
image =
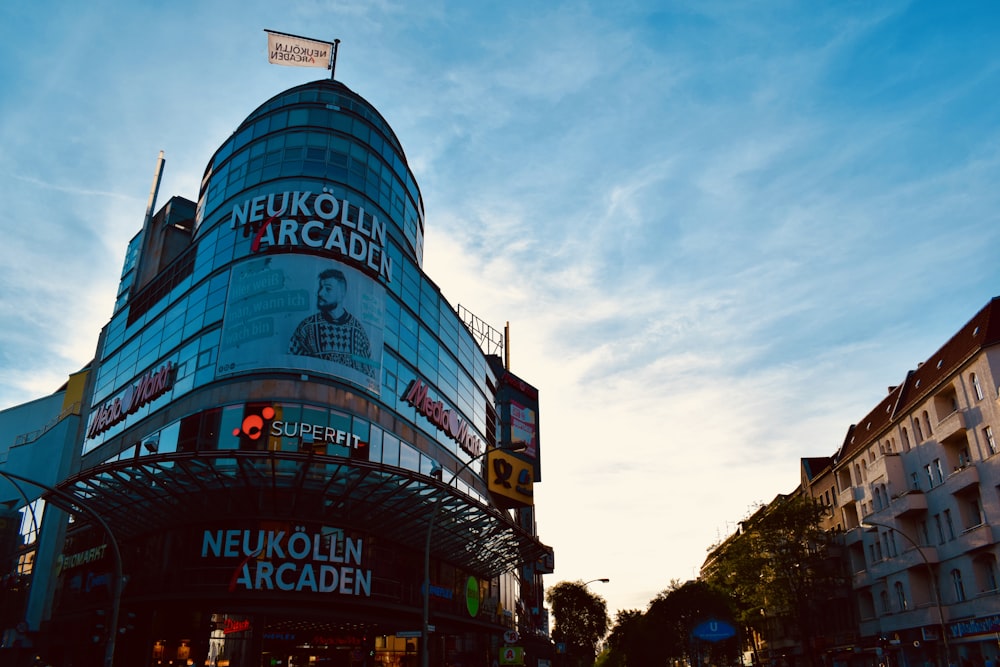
(149, 387)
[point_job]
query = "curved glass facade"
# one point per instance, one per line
(276, 403)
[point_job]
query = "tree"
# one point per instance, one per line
(779, 570)
(581, 619)
(624, 639)
(674, 614)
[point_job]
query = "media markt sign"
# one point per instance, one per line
(472, 596)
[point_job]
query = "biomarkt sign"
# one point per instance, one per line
(445, 419)
(150, 386)
(295, 561)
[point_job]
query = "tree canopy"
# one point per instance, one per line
(778, 567)
(581, 619)
(664, 631)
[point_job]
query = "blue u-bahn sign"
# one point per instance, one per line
(713, 630)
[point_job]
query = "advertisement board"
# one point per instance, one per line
(303, 313)
(510, 479)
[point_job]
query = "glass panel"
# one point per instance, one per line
(232, 421)
(409, 457)
(390, 450)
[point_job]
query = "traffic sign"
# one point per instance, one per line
(713, 630)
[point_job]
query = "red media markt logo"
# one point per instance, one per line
(253, 425)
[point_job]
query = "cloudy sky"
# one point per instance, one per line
(718, 230)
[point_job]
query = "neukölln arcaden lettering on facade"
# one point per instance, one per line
(277, 405)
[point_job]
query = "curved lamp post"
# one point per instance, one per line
(424, 632)
(116, 580)
(930, 573)
(603, 580)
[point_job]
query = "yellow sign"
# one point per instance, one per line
(510, 479)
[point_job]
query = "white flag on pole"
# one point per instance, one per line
(296, 51)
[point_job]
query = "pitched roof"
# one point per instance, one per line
(982, 331)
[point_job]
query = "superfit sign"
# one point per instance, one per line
(150, 386)
(447, 420)
(316, 222)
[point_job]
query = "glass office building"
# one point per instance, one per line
(285, 416)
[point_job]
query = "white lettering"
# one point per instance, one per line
(363, 242)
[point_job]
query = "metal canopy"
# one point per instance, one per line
(153, 493)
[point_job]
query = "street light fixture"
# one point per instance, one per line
(930, 573)
(424, 633)
(116, 583)
(603, 580)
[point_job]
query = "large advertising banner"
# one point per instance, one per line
(523, 428)
(303, 313)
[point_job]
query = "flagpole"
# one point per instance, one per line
(333, 59)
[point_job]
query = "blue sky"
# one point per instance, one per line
(719, 230)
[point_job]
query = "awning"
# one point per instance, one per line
(157, 492)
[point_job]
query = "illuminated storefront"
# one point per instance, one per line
(275, 409)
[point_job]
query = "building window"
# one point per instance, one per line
(948, 523)
(972, 511)
(927, 423)
(940, 529)
(990, 442)
(900, 596)
(919, 432)
(956, 580)
(939, 471)
(986, 573)
(930, 475)
(906, 440)
(976, 387)
(890, 544)
(914, 482)
(883, 597)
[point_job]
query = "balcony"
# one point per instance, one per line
(952, 426)
(925, 615)
(912, 557)
(908, 504)
(977, 537)
(889, 469)
(962, 479)
(851, 494)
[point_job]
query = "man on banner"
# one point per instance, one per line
(295, 51)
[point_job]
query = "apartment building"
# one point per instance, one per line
(915, 489)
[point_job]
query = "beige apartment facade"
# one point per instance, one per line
(915, 491)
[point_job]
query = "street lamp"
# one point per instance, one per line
(116, 580)
(424, 634)
(603, 580)
(933, 582)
